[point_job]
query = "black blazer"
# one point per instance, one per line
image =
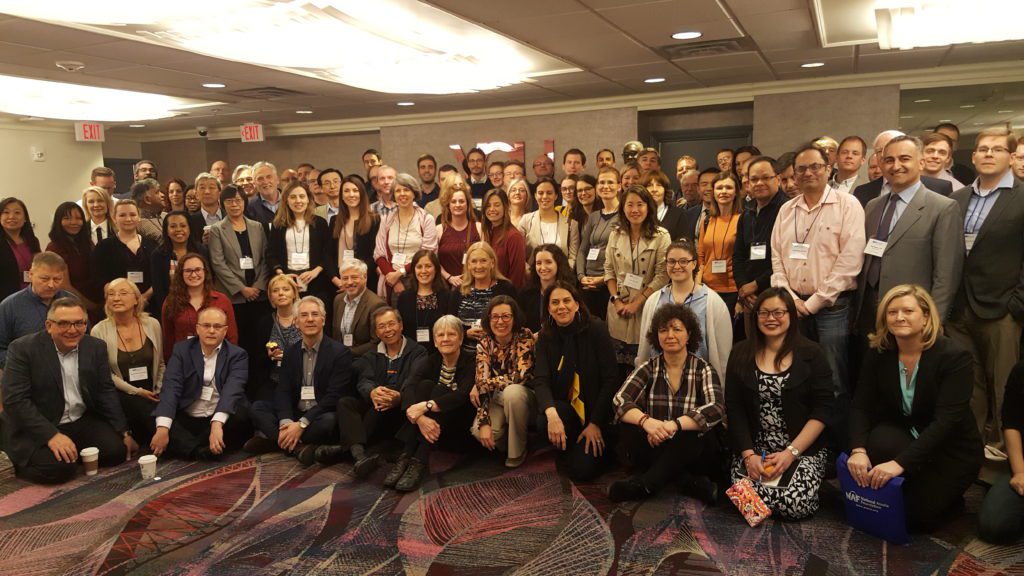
(423, 379)
(111, 259)
(255, 210)
(752, 228)
(675, 222)
(413, 319)
(33, 392)
(941, 411)
(868, 192)
(993, 277)
(363, 250)
(10, 276)
(319, 254)
(692, 216)
(332, 378)
(529, 299)
(196, 223)
(595, 362)
(808, 394)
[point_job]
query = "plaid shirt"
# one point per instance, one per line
(498, 366)
(699, 396)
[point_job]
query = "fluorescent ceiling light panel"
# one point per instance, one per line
(62, 101)
(392, 46)
(907, 24)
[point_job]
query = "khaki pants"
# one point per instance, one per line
(509, 411)
(995, 346)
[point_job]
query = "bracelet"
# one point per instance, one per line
(679, 427)
(642, 420)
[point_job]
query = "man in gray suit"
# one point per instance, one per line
(914, 236)
(989, 307)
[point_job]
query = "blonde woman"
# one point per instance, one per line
(484, 281)
(276, 332)
(449, 184)
(99, 212)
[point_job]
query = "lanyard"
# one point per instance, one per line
(971, 223)
(810, 229)
(717, 254)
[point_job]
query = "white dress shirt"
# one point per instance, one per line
(74, 404)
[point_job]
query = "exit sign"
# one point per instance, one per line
(89, 132)
(252, 132)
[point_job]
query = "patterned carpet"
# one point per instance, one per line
(268, 515)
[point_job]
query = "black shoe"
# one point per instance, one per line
(306, 454)
(629, 489)
(329, 454)
(259, 445)
(397, 471)
(413, 474)
(204, 454)
(366, 465)
(701, 488)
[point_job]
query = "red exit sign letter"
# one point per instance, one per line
(252, 132)
(89, 132)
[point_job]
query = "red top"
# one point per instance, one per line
(183, 325)
(78, 268)
(452, 247)
(511, 251)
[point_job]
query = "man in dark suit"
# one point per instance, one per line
(315, 372)
(263, 206)
(353, 308)
(989, 308)
(203, 394)
(210, 211)
(868, 192)
(59, 398)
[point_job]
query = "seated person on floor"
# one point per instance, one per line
(59, 398)
(24, 312)
(374, 411)
(1001, 518)
(203, 395)
(315, 372)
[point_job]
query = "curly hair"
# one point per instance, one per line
(668, 313)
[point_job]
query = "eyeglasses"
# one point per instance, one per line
(983, 150)
(209, 326)
(193, 271)
(816, 167)
(65, 325)
(584, 189)
(501, 317)
(776, 314)
(672, 262)
(121, 294)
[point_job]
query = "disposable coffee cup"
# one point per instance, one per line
(147, 464)
(91, 460)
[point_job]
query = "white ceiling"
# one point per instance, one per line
(616, 43)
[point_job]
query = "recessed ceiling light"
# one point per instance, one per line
(1004, 111)
(905, 117)
(303, 111)
(687, 35)
(978, 123)
(946, 120)
(922, 101)
(406, 103)
(654, 80)
(136, 125)
(967, 106)
(812, 65)
(213, 85)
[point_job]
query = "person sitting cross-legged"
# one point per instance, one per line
(314, 374)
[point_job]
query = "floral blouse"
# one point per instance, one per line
(498, 366)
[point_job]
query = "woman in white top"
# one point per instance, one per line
(402, 234)
(711, 311)
(300, 244)
(518, 201)
(547, 226)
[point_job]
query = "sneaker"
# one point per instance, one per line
(329, 454)
(995, 454)
(515, 462)
(413, 474)
(259, 445)
(366, 465)
(306, 454)
(397, 471)
(629, 489)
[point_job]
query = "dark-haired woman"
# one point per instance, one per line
(174, 194)
(546, 225)
(70, 237)
(176, 241)
(20, 246)
(778, 396)
(354, 230)
(574, 379)
(191, 291)
(299, 245)
(426, 299)
(672, 407)
(548, 265)
(670, 217)
(507, 242)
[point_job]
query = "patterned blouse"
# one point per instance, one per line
(699, 395)
(498, 366)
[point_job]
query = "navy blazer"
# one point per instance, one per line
(332, 378)
(183, 378)
(33, 392)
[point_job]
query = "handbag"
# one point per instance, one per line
(746, 500)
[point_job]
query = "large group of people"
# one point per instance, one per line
(758, 321)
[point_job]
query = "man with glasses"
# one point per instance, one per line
(989, 308)
(24, 312)
(752, 256)
(203, 411)
(817, 251)
(875, 188)
(59, 398)
(330, 182)
(374, 411)
(475, 166)
(315, 372)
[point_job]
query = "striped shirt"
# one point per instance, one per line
(699, 395)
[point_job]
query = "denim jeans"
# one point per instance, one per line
(1001, 518)
(830, 329)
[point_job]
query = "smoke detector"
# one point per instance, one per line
(70, 65)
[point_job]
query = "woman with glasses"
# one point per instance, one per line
(485, 282)
(426, 300)
(548, 226)
(128, 254)
(594, 241)
(456, 232)
(504, 368)
(519, 201)
(712, 313)
(585, 193)
(505, 240)
(135, 350)
(191, 291)
(176, 241)
(354, 230)
(714, 251)
(778, 396)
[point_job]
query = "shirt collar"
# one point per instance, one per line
(214, 354)
(315, 348)
(207, 214)
(1005, 182)
(382, 348)
(908, 193)
(356, 299)
(71, 352)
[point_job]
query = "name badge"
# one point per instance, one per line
(246, 263)
(969, 240)
(476, 323)
(758, 251)
(398, 259)
(298, 260)
(593, 253)
(422, 335)
(307, 393)
(346, 339)
(634, 281)
(463, 258)
(348, 255)
(135, 277)
(24, 277)
(875, 247)
(478, 202)
(136, 374)
(718, 266)
(798, 251)
(207, 393)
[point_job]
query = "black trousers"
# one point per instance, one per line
(684, 453)
(582, 467)
(248, 317)
(88, 431)
(455, 425)
(139, 412)
(597, 301)
(322, 430)
(359, 423)
(929, 495)
(189, 434)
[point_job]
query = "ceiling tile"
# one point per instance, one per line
(674, 15)
(739, 74)
(563, 36)
(722, 61)
(640, 71)
(895, 60)
(486, 13)
(749, 7)
(970, 53)
(50, 36)
(832, 67)
(813, 54)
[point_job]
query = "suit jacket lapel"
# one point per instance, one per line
(56, 376)
(255, 239)
(911, 215)
(222, 360)
(1005, 197)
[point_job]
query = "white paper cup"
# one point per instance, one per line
(91, 460)
(147, 464)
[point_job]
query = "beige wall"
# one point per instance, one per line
(683, 119)
(341, 151)
(783, 121)
(588, 131)
(44, 185)
(177, 158)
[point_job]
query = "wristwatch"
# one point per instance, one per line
(303, 424)
(430, 405)
(613, 298)
(792, 450)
